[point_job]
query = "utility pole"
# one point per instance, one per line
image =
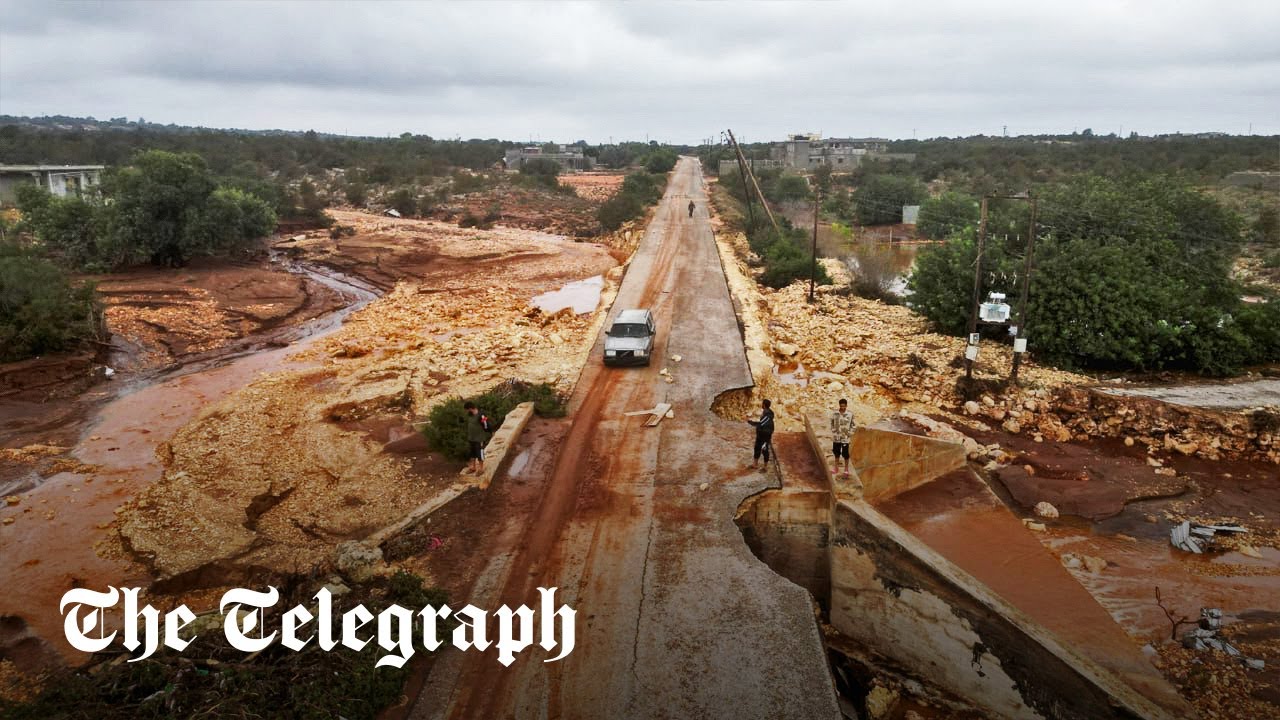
(1020, 339)
(972, 349)
(813, 269)
(763, 203)
(746, 191)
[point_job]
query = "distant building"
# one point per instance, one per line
(60, 180)
(568, 159)
(910, 214)
(806, 151)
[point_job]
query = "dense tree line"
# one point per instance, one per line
(1129, 274)
(1001, 165)
(164, 208)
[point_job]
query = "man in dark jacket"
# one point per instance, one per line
(691, 207)
(477, 434)
(764, 435)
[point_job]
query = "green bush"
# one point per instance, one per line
(357, 194)
(946, 215)
(790, 188)
(70, 227)
(1266, 229)
(660, 161)
(541, 171)
(638, 191)
(1132, 274)
(786, 257)
(404, 201)
(446, 429)
(40, 311)
(617, 210)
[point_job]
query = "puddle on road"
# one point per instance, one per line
(583, 296)
(519, 462)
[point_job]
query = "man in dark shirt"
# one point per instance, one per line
(691, 207)
(764, 435)
(476, 436)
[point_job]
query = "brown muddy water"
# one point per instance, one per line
(60, 522)
(841, 247)
(583, 296)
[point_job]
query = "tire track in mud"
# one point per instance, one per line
(540, 558)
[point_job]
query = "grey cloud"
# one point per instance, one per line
(678, 71)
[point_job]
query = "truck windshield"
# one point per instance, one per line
(629, 330)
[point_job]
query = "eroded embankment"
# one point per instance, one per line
(299, 461)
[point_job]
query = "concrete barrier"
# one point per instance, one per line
(898, 596)
(894, 594)
(883, 463)
(496, 453)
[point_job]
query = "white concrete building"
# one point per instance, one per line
(60, 180)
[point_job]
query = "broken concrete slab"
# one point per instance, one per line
(655, 413)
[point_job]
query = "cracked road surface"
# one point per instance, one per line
(676, 617)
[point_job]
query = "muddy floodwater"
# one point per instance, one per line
(582, 296)
(54, 543)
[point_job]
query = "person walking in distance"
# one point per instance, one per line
(764, 435)
(841, 431)
(691, 208)
(478, 428)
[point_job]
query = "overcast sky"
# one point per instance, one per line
(673, 72)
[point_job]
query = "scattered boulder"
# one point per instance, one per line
(1093, 564)
(972, 408)
(358, 561)
(1046, 510)
(881, 702)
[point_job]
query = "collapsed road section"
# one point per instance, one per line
(635, 526)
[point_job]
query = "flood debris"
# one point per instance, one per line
(1205, 637)
(655, 413)
(1196, 538)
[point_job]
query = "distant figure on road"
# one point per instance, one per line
(764, 435)
(477, 434)
(841, 431)
(691, 207)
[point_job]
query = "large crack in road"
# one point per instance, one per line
(676, 618)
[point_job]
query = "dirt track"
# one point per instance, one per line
(665, 588)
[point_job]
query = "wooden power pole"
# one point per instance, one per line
(1020, 338)
(742, 160)
(813, 269)
(972, 348)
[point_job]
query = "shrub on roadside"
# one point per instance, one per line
(446, 429)
(660, 161)
(638, 191)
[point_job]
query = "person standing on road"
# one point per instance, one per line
(841, 431)
(477, 434)
(764, 435)
(691, 208)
